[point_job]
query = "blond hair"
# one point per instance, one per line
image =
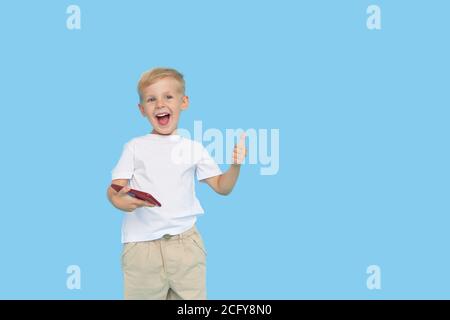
(151, 76)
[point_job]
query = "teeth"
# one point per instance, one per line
(162, 115)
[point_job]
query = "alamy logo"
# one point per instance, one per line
(374, 279)
(374, 19)
(74, 279)
(73, 21)
(263, 146)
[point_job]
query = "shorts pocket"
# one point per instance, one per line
(127, 251)
(198, 242)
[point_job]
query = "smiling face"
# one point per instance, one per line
(161, 103)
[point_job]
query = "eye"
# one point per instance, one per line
(169, 97)
(151, 99)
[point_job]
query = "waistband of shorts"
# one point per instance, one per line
(182, 235)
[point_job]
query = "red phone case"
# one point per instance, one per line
(138, 194)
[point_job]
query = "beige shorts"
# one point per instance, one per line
(173, 267)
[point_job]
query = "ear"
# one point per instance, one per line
(185, 103)
(141, 108)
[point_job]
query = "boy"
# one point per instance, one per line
(163, 255)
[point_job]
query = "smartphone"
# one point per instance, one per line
(138, 194)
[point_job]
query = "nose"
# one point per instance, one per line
(159, 103)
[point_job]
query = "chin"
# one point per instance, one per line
(163, 131)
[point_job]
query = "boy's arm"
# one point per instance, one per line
(223, 184)
(121, 200)
(111, 192)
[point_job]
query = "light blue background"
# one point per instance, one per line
(363, 119)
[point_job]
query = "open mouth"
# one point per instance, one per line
(163, 118)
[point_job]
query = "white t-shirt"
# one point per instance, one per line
(163, 166)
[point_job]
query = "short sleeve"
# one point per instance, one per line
(125, 166)
(206, 166)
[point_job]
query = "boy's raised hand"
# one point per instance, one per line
(239, 151)
(128, 203)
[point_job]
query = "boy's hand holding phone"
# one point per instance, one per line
(125, 202)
